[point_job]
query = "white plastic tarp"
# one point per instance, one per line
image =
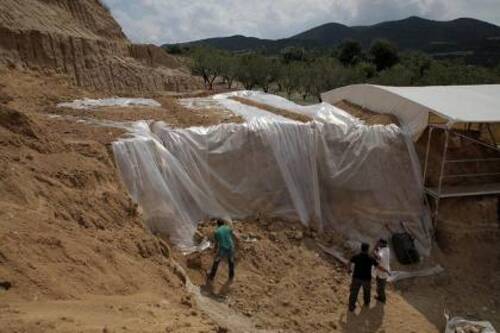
(118, 101)
(333, 173)
(459, 325)
(411, 105)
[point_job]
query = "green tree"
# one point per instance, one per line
(418, 63)
(252, 71)
(350, 53)
(398, 75)
(384, 54)
(229, 70)
(367, 70)
(174, 49)
(208, 64)
(319, 75)
(448, 72)
(290, 77)
(290, 54)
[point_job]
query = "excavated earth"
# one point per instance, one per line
(75, 254)
(81, 39)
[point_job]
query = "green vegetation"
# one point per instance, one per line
(298, 72)
(473, 40)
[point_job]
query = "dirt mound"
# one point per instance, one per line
(82, 39)
(17, 122)
(282, 112)
(368, 116)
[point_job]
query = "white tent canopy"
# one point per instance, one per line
(411, 105)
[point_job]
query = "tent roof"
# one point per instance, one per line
(470, 104)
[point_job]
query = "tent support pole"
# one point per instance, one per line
(427, 152)
(441, 172)
(492, 136)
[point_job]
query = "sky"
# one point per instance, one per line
(173, 21)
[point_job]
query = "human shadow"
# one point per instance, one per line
(221, 295)
(367, 320)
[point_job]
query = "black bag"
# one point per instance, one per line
(404, 248)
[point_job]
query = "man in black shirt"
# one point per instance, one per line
(362, 276)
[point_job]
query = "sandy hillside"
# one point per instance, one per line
(82, 39)
(72, 245)
(78, 257)
(75, 255)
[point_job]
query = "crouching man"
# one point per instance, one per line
(224, 245)
(362, 276)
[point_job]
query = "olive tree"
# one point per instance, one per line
(207, 63)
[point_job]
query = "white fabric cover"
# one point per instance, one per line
(87, 103)
(411, 105)
(334, 173)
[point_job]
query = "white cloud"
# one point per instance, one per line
(167, 21)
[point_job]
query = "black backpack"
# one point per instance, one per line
(404, 247)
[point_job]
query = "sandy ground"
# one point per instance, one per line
(72, 244)
(284, 281)
(79, 258)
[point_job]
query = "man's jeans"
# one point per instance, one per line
(356, 284)
(381, 283)
(221, 254)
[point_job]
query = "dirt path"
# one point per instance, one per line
(146, 312)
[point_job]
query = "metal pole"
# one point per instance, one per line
(440, 182)
(493, 139)
(479, 142)
(427, 151)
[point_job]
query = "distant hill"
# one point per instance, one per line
(478, 40)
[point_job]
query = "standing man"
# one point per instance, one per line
(362, 275)
(382, 254)
(224, 244)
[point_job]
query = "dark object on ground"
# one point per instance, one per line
(404, 248)
(5, 285)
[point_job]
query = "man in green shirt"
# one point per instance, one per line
(224, 241)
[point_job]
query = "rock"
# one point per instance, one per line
(295, 235)
(5, 285)
(299, 235)
(222, 329)
(198, 237)
(187, 301)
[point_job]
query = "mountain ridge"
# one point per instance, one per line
(413, 33)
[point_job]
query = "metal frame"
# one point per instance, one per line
(437, 195)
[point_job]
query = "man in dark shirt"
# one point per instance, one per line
(362, 276)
